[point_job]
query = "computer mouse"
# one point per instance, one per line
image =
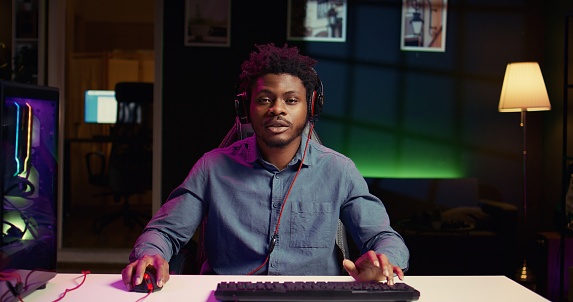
(149, 282)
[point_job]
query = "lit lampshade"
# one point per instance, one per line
(523, 89)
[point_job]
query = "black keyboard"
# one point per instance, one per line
(350, 291)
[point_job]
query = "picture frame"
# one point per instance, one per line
(314, 20)
(423, 25)
(207, 23)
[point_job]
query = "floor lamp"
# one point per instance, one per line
(524, 90)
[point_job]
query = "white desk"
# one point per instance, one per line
(109, 287)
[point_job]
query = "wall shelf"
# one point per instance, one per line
(28, 35)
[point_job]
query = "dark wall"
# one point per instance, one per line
(395, 113)
(5, 40)
(199, 82)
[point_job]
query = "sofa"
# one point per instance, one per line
(448, 227)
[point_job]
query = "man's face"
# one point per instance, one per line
(278, 110)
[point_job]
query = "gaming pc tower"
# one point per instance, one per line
(29, 170)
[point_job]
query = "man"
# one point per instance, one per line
(273, 200)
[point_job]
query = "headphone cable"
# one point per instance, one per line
(276, 233)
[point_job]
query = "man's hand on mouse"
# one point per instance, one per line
(373, 267)
(135, 270)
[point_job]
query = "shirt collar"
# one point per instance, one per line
(254, 154)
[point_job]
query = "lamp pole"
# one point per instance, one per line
(524, 274)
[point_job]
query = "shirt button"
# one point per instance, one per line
(273, 264)
(275, 205)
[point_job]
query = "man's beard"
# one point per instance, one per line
(282, 143)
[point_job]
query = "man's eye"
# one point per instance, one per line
(292, 101)
(264, 100)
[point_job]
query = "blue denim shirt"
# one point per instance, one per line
(242, 195)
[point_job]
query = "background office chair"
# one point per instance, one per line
(127, 171)
(192, 256)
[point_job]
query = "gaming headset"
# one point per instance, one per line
(315, 103)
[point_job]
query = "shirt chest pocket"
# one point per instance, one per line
(311, 225)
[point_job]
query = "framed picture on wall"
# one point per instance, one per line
(423, 25)
(207, 23)
(317, 20)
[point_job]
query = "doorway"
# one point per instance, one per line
(107, 42)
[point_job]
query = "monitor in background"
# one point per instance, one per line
(29, 170)
(100, 107)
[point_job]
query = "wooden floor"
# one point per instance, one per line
(100, 249)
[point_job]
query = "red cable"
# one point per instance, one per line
(6, 276)
(144, 297)
(294, 179)
(284, 202)
(85, 273)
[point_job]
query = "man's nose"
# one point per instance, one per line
(278, 107)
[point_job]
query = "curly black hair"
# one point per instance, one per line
(271, 59)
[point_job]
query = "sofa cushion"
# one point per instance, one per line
(406, 196)
(470, 216)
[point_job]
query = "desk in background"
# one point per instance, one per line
(109, 287)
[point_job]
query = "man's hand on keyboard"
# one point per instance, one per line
(373, 267)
